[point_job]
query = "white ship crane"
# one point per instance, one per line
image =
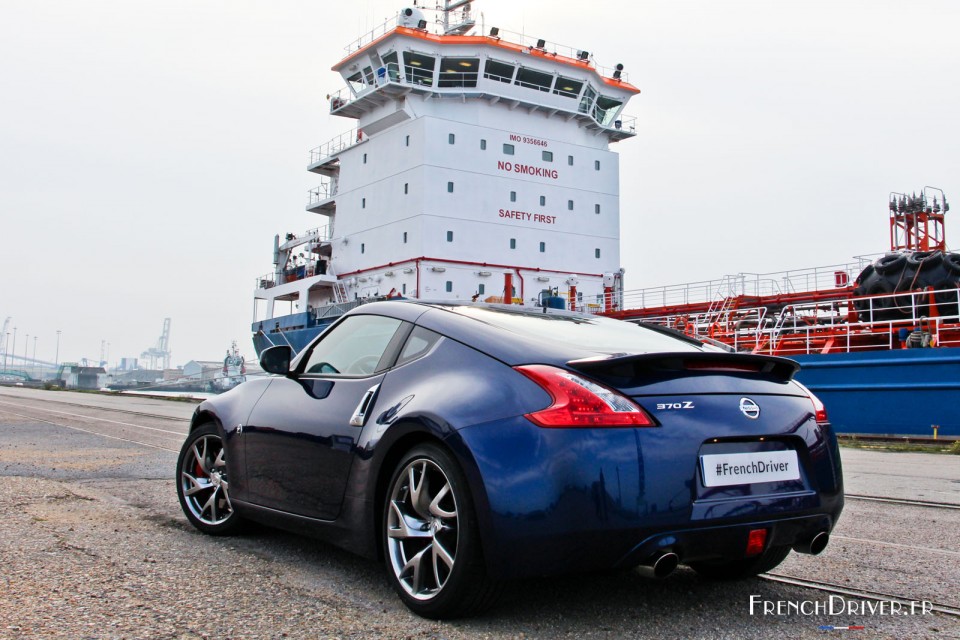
(160, 354)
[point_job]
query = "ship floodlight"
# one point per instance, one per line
(494, 32)
(438, 269)
(422, 24)
(619, 67)
(388, 273)
(583, 55)
(483, 274)
(541, 43)
(543, 279)
(408, 270)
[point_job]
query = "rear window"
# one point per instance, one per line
(585, 331)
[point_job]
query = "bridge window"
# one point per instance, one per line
(533, 79)
(499, 71)
(392, 66)
(606, 110)
(568, 87)
(459, 72)
(418, 68)
(586, 102)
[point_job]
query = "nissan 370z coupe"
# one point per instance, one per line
(466, 444)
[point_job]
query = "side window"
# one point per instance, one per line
(419, 343)
(354, 347)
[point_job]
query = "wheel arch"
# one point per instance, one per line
(409, 434)
(203, 416)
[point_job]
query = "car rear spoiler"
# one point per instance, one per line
(629, 365)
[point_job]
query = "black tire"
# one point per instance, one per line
(428, 512)
(890, 263)
(744, 567)
(924, 259)
(952, 262)
(202, 484)
(946, 297)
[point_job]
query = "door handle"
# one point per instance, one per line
(360, 415)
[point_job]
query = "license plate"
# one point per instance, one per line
(721, 470)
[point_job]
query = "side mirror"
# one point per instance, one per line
(276, 359)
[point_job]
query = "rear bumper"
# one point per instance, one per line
(553, 501)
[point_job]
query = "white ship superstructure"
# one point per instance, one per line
(479, 168)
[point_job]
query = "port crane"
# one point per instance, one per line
(161, 352)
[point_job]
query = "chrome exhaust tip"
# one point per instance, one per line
(814, 545)
(659, 566)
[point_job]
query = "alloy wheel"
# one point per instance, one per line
(422, 528)
(203, 481)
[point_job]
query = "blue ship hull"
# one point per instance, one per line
(901, 392)
(295, 330)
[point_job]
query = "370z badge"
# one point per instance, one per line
(674, 405)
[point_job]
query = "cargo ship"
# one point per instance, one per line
(878, 338)
(479, 167)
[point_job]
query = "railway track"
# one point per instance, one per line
(862, 594)
(156, 437)
(902, 501)
(60, 403)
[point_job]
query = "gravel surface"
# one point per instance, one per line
(93, 545)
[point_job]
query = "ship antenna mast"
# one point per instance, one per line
(466, 20)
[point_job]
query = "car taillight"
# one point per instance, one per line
(578, 402)
(819, 411)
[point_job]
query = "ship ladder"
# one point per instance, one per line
(787, 313)
(339, 291)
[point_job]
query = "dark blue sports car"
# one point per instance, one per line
(465, 445)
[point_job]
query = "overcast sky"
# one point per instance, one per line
(150, 151)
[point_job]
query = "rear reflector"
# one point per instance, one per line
(756, 541)
(578, 402)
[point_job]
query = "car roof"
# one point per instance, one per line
(520, 335)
